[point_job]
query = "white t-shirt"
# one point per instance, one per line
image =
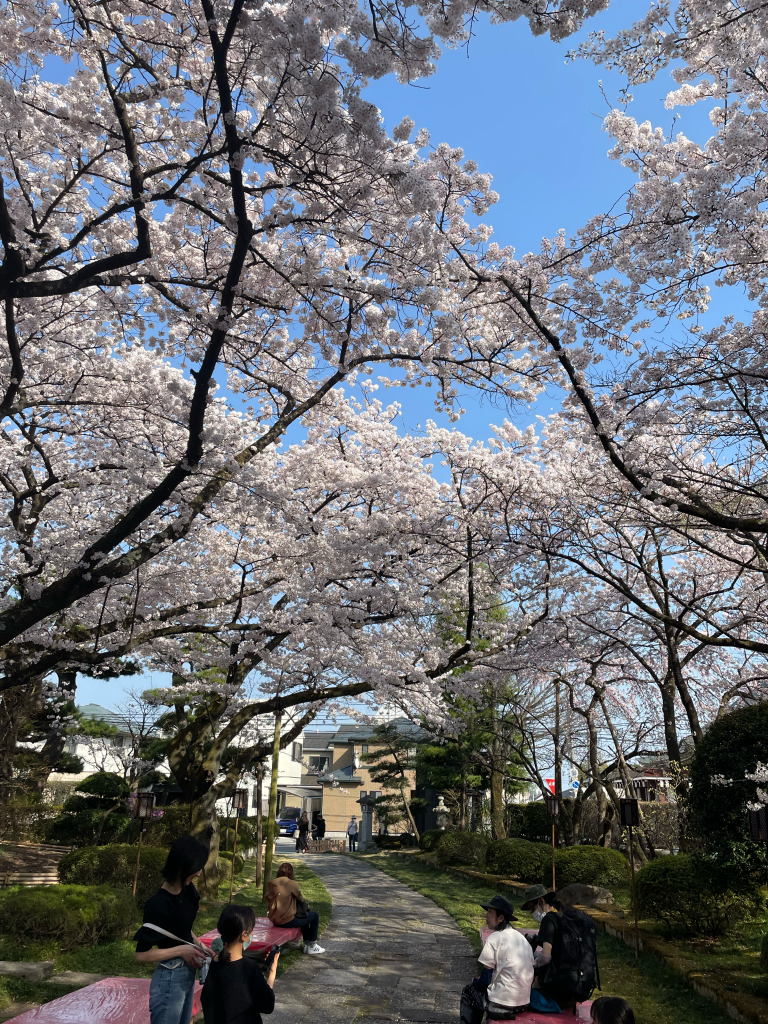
(510, 955)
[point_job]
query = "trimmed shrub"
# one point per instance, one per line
(80, 828)
(73, 915)
(591, 865)
(227, 856)
(176, 821)
(114, 866)
(693, 892)
(517, 858)
(429, 839)
(731, 747)
(387, 842)
(464, 847)
(246, 833)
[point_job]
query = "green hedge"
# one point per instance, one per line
(227, 856)
(764, 952)
(591, 865)
(464, 847)
(429, 839)
(114, 866)
(518, 858)
(693, 892)
(81, 828)
(528, 821)
(73, 915)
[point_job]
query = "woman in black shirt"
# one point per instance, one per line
(301, 842)
(173, 909)
(235, 991)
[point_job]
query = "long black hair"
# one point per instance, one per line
(235, 919)
(186, 857)
(612, 1010)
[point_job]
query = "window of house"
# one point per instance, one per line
(297, 751)
(364, 748)
(318, 764)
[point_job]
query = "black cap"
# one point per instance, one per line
(503, 906)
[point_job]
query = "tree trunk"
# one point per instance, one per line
(16, 706)
(558, 765)
(272, 807)
(685, 694)
(463, 800)
(55, 742)
(498, 829)
(407, 809)
(594, 768)
(205, 827)
(259, 822)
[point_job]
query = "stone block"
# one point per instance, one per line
(28, 971)
(585, 895)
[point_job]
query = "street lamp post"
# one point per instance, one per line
(553, 810)
(239, 803)
(145, 805)
(630, 816)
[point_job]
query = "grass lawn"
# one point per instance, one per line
(117, 956)
(657, 994)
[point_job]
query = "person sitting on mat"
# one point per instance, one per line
(566, 962)
(288, 908)
(612, 1010)
(507, 962)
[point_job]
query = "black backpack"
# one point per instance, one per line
(576, 972)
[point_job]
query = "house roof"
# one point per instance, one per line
(350, 733)
(95, 712)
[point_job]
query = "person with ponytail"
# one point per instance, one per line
(236, 991)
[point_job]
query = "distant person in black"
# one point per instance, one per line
(173, 909)
(301, 839)
(236, 991)
(319, 829)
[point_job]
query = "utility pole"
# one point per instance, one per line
(259, 822)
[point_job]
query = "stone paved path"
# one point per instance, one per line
(391, 955)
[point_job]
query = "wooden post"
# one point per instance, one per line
(138, 858)
(272, 808)
(554, 887)
(634, 894)
(259, 822)
(234, 854)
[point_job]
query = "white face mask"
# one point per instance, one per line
(538, 915)
(247, 943)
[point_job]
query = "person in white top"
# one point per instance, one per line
(352, 834)
(508, 958)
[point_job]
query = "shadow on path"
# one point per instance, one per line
(391, 955)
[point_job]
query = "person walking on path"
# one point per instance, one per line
(236, 991)
(289, 909)
(301, 839)
(352, 834)
(507, 962)
(168, 919)
(319, 828)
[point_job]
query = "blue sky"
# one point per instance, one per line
(534, 121)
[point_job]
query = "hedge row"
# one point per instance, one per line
(693, 892)
(74, 915)
(528, 861)
(114, 866)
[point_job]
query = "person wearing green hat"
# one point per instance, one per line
(507, 963)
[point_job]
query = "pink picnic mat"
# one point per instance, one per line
(264, 936)
(583, 1016)
(111, 1001)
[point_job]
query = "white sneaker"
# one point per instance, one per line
(313, 949)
